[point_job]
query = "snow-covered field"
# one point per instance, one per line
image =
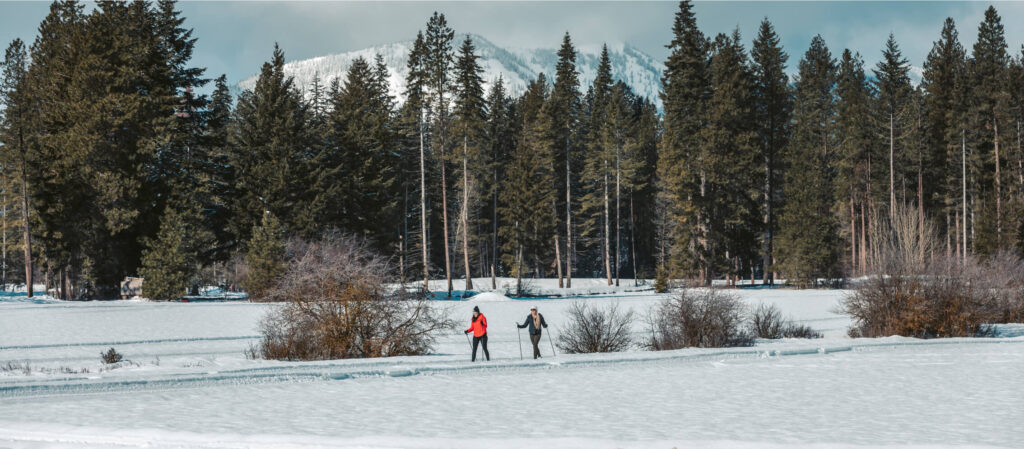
(188, 384)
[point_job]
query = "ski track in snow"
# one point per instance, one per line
(190, 385)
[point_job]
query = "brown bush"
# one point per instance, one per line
(916, 293)
(766, 321)
(596, 329)
(337, 303)
(706, 318)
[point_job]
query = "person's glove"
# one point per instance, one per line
(465, 332)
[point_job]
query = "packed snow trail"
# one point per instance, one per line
(924, 394)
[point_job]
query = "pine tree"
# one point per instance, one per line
(414, 116)
(265, 256)
(807, 243)
(15, 130)
(774, 109)
(728, 160)
(528, 223)
(501, 145)
(892, 82)
(598, 172)
(270, 153)
(565, 105)
(989, 112)
(356, 166)
(470, 116)
(853, 146)
(684, 96)
(218, 176)
(943, 82)
(170, 261)
(438, 61)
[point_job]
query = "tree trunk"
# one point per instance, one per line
(618, 222)
(568, 214)
(853, 237)
(766, 244)
(423, 214)
(519, 271)
(607, 229)
(465, 211)
(494, 220)
(863, 240)
(3, 276)
(963, 162)
(892, 169)
(632, 240)
(1020, 162)
(558, 258)
(705, 244)
(998, 185)
(444, 223)
(26, 225)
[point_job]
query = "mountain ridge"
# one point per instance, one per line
(517, 66)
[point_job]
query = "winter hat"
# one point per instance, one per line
(533, 308)
(476, 309)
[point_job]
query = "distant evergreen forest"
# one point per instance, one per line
(114, 165)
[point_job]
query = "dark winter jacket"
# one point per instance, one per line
(529, 323)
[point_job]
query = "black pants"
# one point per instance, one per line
(535, 339)
(477, 341)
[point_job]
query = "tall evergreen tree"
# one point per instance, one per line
(598, 173)
(438, 70)
(892, 82)
(357, 164)
(989, 111)
(808, 239)
(414, 117)
(501, 144)
(774, 109)
(470, 116)
(529, 188)
(944, 82)
(728, 156)
(686, 90)
(15, 132)
(853, 155)
(565, 106)
(270, 153)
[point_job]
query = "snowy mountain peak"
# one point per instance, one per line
(517, 66)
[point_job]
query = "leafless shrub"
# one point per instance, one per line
(111, 357)
(337, 303)
(706, 318)
(766, 321)
(793, 330)
(915, 292)
(1002, 276)
(596, 329)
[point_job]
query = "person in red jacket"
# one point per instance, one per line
(478, 326)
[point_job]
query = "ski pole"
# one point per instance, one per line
(553, 353)
(520, 335)
(469, 342)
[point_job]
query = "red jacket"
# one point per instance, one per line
(478, 326)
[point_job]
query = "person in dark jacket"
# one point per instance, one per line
(478, 326)
(534, 321)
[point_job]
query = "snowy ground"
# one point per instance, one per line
(189, 385)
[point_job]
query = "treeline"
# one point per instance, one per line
(113, 165)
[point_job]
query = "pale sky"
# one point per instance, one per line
(237, 37)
